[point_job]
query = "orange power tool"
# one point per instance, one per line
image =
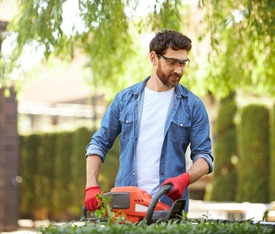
(138, 205)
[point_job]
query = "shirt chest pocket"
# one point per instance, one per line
(179, 130)
(127, 126)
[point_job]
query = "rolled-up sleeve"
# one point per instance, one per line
(208, 158)
(104, 138)
(200, 135)
(94, 149)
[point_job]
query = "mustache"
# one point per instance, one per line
(175, 75)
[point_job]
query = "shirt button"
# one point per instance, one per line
(127, 121)
(181, 124)
(134, 173)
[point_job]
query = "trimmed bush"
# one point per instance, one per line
(53, 171)
(62, 171)
(188, 227)
(225, 147)
(253, 166)
(45, 176)
(29, 147)
(80, 139)
(272, 156)
(48, 155)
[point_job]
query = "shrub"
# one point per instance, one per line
(29, 147)
(253, 166)
(225, 147)
(272, 156)
(53, 169)
(188, 227)
(80, 139)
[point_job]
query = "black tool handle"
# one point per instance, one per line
(84, 215)
(163, 190)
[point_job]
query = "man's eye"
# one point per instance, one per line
(183, 64)
(172, 62)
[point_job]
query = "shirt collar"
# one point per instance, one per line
(179, 89)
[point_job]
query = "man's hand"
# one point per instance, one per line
(91, 202)
(179, 184)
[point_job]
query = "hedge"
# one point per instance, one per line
(53, 171)
(253, 165)
(53, 166)
(272, 156)
(185, 226)
(225, 148)
(29, 146)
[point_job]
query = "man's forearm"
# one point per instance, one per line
(198, 169)
(93, 164)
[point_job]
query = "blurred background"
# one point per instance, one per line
(62, 62)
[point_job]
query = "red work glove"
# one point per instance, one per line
(180, 183)
(91, 201)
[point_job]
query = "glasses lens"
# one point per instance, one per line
(185, 63)
(174, 61)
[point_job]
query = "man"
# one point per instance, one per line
(157, 119)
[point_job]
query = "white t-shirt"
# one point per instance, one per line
(151, 136)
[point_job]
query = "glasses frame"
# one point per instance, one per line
(182, 62)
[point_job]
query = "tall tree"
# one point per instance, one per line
(241, 53)
(102, 29)
(242, 33)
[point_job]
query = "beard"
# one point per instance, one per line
(169, 79)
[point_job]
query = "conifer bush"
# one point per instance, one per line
(45, 176)
(53, 171)
(254, 161)
(80, 139)
(272, 156)
(225, 148)
(29, 147)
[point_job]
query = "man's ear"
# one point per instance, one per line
(154, 58)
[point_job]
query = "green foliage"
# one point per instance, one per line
(62, 167)
(28, 171)
(198, 227)
(243, 50)
(253, 166)
(80, 139)
(272, 156)
(107, 41)
(105, 34)
(240, 53)
(44, 179)
(225, 149)
(167, 16)
(52, 167)
(105, 211)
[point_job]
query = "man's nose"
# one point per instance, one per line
(179, 68)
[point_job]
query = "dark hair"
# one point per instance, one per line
(169, 39)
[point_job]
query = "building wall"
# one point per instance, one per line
(9, 145)
(9, 160)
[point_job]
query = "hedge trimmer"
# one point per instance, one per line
(131, 204)
(134, 205)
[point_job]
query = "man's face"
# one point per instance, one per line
(171, 67)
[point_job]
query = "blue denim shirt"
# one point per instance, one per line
(187, 123)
